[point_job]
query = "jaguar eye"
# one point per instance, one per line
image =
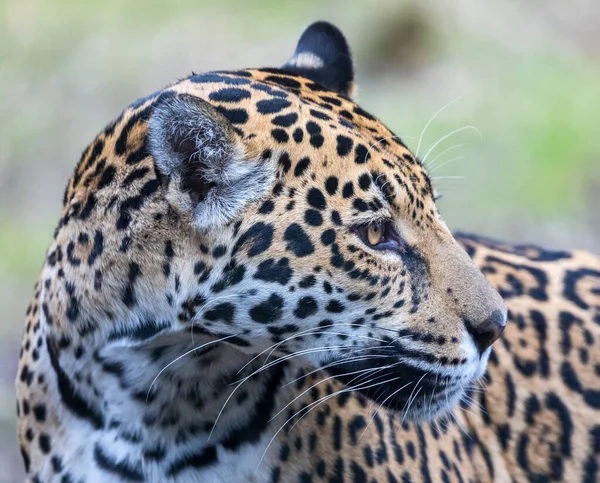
(381, 235)
(373, 234)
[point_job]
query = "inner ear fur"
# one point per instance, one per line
(207, 172)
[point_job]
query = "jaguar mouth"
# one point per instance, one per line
(415, 393)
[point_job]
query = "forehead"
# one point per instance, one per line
(310, 129)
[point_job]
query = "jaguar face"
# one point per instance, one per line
(265, 209)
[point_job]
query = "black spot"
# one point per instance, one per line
(139, 332)
(235, 116)
(271, 106)
(90, 204)
(108, 175)
(258, 420)
(298, 135)
(121, 143)
(229, 94)
(313, 128)
(328, 237)
(307, 282)
(39, 411)
(129, 292)
(280, 135)
(573, 278)
(212, 77)
(219, 251)
(335, 306)
(285, 162)
(337, 433)
(283, 329)
(268, 311)
(298, 241)
(336, 218)
(283, 81)
(315, 198)
(331, 185)
(320, 115)
(306, 307)
(57, 465)
(26, 460)
(259, 237)
(360, 205)
(137, 156)
(267, 207)
(358, 474)
(317, 140)
(305, 477)
(205, 457)
(136, 174)
(223, 311)
(232, 275)
(344, 145)
(285, 120)
(275, 272)
(361, 112)
(301, 166)
(331, 100)
(348, 190)
(284, 452)
(361, 154)
(44, 441)
(313, 218)
(71, 258)
(135, 203)
(364, 182)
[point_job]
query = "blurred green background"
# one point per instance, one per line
(526, 75)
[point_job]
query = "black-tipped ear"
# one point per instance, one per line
(208, 175)
(323, 55)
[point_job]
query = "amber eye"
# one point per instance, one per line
(375, 233)
(381, 235)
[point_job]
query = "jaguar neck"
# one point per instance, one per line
(175, 391)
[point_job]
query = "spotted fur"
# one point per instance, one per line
(208, 310)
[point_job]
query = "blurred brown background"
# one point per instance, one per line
(526, 75)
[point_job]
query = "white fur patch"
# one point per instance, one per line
(307, 60)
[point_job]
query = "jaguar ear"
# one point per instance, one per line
(323, 55)
(207, 173)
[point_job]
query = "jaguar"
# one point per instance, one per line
(250, 281)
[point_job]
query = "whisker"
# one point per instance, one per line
(266, 367)
(341, 361)
(443, 138)
(409, 402)
(308, 331)
(360, 371)
(193, 349)
(431, 119)
(380, 406)
(295, 414)
(445, 163)
(432, 162)
(318, 402)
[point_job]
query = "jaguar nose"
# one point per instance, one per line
(487, 332)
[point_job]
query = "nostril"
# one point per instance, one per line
(487, 332)
(498, 317)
